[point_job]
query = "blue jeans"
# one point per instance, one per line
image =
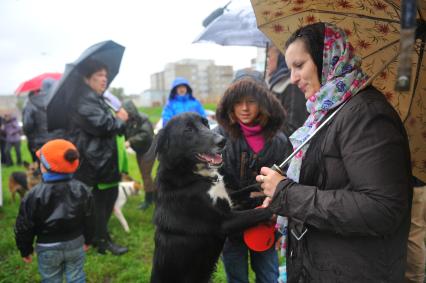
(54, 263)
(235, 259)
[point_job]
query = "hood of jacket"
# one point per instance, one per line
(39, 100)
(281, 71)
(177, 82)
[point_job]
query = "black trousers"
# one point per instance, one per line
(8, 152)
(104, 204)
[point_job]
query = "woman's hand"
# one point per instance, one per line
(266, 202)
(269, 180)
(122, 114)
(86, 247)
(27, 259)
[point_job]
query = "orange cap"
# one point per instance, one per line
(261, 237)
(53, 156)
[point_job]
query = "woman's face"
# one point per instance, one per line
(181, 90)
(246, 110)
(98, 81)
(304, 72)
(272, 61)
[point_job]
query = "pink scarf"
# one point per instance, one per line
(253, 136)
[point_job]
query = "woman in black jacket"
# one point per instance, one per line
(93, 129)
(347, 193)
(250, 117)
(139, 134)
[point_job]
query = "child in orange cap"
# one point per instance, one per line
(58, 213)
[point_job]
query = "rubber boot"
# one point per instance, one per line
(149, 199)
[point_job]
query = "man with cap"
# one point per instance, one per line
(58, 213)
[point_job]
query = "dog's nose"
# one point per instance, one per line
(220, 141)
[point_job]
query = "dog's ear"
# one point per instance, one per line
(125, 177)
(159, 144)
(26, 164)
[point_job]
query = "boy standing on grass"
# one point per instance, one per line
(58, 213)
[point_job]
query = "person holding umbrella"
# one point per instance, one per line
(348, 192)
(93, 128)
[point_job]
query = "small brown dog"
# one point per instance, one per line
(21, 182)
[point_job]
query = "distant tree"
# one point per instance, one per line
(118, 91)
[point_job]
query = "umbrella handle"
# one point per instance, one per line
(277, 169)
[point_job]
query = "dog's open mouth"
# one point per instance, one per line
(214, 160)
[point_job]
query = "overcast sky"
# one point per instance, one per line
(38, 36)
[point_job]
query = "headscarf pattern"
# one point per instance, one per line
(342, 78)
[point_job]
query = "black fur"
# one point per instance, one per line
(190, 225)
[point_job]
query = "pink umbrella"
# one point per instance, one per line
(35, 83)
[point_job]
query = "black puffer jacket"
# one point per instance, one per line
(354, 197)
(93, 128)
(139, 130)
(241, 165)
(34, 119)
(54, 212)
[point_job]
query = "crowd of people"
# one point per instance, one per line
(344, 202)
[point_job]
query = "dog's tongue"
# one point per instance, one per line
(215, 159)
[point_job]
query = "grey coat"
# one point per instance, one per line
(354, 197)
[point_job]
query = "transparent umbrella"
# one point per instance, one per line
(236, 26)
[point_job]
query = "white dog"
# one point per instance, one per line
(125, 190)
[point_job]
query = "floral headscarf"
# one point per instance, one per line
(342, 78)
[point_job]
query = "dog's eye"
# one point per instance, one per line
(205, 122)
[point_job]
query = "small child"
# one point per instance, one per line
(58, 213)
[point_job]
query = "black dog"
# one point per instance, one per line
(193, 210)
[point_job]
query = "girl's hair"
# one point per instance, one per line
(271, 114)
(312, 37)
(90, 66)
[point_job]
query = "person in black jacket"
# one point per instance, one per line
(290, 96)
(139, 135)
(347, 194)
(58, 213)
(93, 128)
(250, 117)
(34, 119)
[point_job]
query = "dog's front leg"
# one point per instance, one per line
(241, 220)
(119, 214)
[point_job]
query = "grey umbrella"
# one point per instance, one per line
(235, 27)
(66, 90)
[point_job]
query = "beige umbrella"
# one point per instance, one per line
(373, 28)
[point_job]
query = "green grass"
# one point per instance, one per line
(154, 113)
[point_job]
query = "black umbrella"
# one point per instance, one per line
(66, 91)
